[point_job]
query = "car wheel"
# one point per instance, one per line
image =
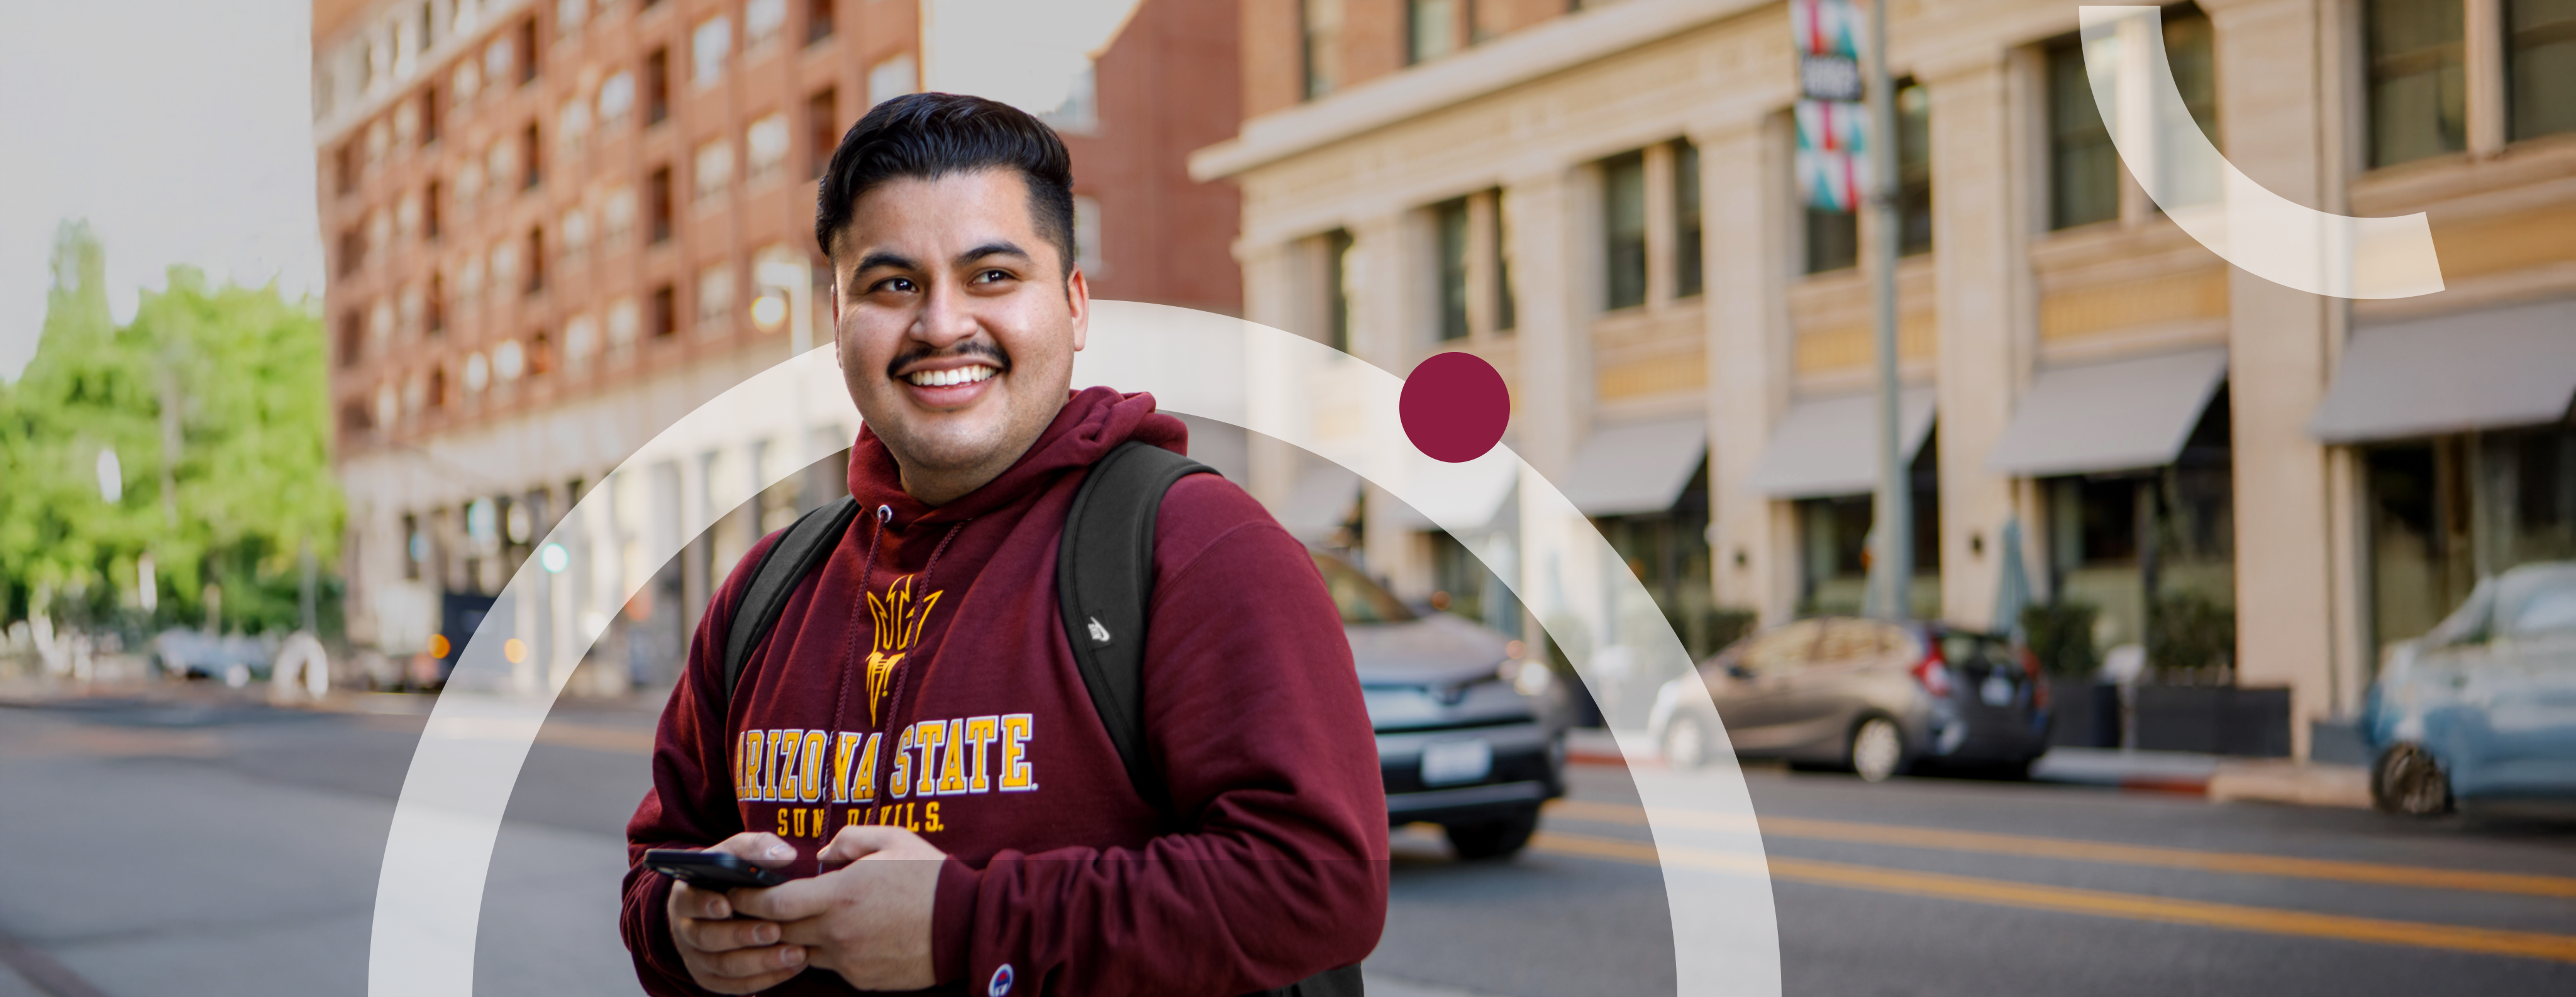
(1686, 743)
(2410, 781)
(1877, 749)
(1493, 839)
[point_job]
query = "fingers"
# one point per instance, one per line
(793, 900)
(763, 849)
(724, 936)
(859, 841)
(746, 970)
(690, 902)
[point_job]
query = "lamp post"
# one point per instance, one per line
(1892, 567)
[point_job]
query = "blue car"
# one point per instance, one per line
(2482, 709)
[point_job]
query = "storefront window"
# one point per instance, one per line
(2155, 544)
(1668, 552)
(1833, 546)
(2448, 511)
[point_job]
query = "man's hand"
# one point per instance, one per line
(869, 920)
(736, 956)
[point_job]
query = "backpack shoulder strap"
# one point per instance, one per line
(796, 554)
(1104, 577)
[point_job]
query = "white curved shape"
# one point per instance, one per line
(2245, 223)
(1025, 53)
(1726, 941)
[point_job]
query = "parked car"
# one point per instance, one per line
(2482, 708)
(1470, 732)
(1867, 695)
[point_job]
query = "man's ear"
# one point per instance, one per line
(1077, 296)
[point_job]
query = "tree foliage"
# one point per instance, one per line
(241, 375)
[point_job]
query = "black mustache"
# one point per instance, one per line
(1000, 361)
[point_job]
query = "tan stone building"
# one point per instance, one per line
(1597, 198)
(552, 225)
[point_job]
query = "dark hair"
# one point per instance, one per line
(930, 135)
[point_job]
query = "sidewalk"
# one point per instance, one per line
(2221, 779)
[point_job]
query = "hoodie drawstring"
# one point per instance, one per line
(849, 657)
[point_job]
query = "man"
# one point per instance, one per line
(912, 741)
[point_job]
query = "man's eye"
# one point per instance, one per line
(899, 285)
(990, 276)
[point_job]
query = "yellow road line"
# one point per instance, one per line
(2071, 900)
(2090, 851)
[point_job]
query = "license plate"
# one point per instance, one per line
(1448, 763)
(1998, 691)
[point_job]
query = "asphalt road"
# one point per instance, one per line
(215, 847)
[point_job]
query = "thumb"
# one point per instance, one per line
(859, 841)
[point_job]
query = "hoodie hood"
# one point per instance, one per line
(1093, 421)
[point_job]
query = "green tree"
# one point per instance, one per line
(215, 402)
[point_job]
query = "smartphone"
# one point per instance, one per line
(709, 870)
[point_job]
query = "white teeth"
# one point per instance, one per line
(946, 378)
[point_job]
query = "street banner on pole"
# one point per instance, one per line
(1833, 155)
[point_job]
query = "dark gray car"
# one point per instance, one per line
(1470, 733)
(1867, 695)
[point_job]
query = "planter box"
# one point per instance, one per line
(2213, 720)
(2082, 713)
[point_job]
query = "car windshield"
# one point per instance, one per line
(2537, 600)
(1359, 599)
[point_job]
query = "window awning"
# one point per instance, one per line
(2484, 370)
(1320, 502)
(1829, 446)
(2109, 416)
(1472, 494)
(1636, 468)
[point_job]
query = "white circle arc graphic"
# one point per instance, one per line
(429, 894)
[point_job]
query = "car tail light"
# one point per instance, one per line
(2038, 685)
(1933, 672)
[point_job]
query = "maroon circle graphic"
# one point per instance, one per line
(1455, 407)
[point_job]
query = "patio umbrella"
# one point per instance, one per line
(2012, 591)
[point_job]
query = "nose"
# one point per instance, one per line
(945, 320)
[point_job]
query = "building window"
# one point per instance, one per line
(2083, 168)
(666, 312)
(536, 260)
(572, 127)
(1689, 272)
(1623, 225)
(2418, 82)
(436, 320)
(1914, 168)
(822, 131)
(353, 250)
(1506, 305)
(712, 170)
(709, 44)
(1450, 219)
(2191, 50)
(428, 116)
(437, 391)
(617, 217)
(762, 22)
(616, 100)
(1320, 48)
(344, 166)
(568, 17)
(657, 204)
(1432, 29)
(353, 337)
(532, 159)
(1337, 294)
(765, 147)
(429, 218)
(1087, 248)
(528, 46)
(2540, 60)
(715, 299)
(818, 20)
(891, 79)
(657, 86)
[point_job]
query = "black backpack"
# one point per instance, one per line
(1104, 575)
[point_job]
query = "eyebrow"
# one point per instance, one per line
(882, 258)
(992, 249)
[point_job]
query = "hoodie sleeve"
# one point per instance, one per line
(1253, 710)
(691, 803)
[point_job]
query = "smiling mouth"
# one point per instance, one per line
(950, 377)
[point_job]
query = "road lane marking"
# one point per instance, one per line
(2245, 863)
(2073, 900)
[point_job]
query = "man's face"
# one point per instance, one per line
(956, 324)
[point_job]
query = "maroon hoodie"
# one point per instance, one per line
(922, 677)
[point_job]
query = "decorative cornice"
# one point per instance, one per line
(1558, 45)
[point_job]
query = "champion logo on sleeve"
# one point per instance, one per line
(1001, 982)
